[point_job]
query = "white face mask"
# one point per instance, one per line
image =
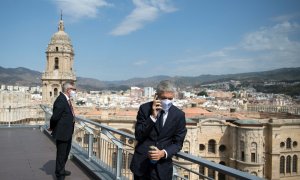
(166, 104)
(72, 94)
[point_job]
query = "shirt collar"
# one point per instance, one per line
(67, 97)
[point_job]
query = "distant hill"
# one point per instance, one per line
(26, 77)
(20, 76)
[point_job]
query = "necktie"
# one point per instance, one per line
(160, 120)
(71, 107)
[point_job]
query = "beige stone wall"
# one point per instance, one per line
(266, 138)
(279, 132)
(16, 106)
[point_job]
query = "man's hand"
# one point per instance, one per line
(156, 106)
(156, 154)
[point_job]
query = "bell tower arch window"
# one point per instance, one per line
(295, 165)
(288, 143)
(55, 92)
(56, 62)
(288, 164)
(282, 164)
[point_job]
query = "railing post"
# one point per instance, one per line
(119, 162)
(90, 146)
(9, 110)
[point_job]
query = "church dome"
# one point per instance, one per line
(60, 41)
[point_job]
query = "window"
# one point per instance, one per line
(295, 160)
(186, 147)
(56, 62)
(123, 139)
(114, 160)
(222, 176)
(129, 159)
(124, 156)
(201, 171)
(288, 143)
(130, 141)
(186, 176)
(282, 144)
(212, 146)
(211, 173)
(253, 151)
(242, 149)
(95, 140)
(86, 139)
(56, 48)
(222, 148)
(243, 156)
(253, 157)
(295, 144)
(79, 139)
(254, 173)
(55, 92)
(50, 93)
(282, 159)
(288, 164)
(201, 147)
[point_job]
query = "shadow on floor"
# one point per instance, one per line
(49, 168)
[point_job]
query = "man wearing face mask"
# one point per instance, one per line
(160, 131)
(62, 127)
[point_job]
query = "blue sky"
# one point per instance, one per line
(122, 39)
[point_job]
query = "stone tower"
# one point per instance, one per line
(59, 68)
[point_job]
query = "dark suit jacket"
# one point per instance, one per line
(170, 138)
(62, 118)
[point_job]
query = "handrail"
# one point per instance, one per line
(189, 157)
(218, 167)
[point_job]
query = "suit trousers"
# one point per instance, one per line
(152, 174)
(62, 152)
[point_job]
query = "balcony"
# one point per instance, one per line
(98, 152)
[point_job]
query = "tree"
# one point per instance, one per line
(202, 93)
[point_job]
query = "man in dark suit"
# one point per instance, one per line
(160, 124)
(62, 127)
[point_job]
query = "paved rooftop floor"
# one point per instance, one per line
(28, 154)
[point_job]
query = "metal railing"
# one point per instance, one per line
(110, 151)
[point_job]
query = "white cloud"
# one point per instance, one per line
(77, 9)
(140, 63)
(271, 38)
(268, 48)
(145, 11)
(286, 17)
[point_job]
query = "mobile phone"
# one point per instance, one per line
(152, 148)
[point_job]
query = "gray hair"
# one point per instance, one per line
(67, 85)
(165, 86)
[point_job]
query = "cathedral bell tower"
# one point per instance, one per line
(59, 68)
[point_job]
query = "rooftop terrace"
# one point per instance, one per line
(28, 154)
(98, 152)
